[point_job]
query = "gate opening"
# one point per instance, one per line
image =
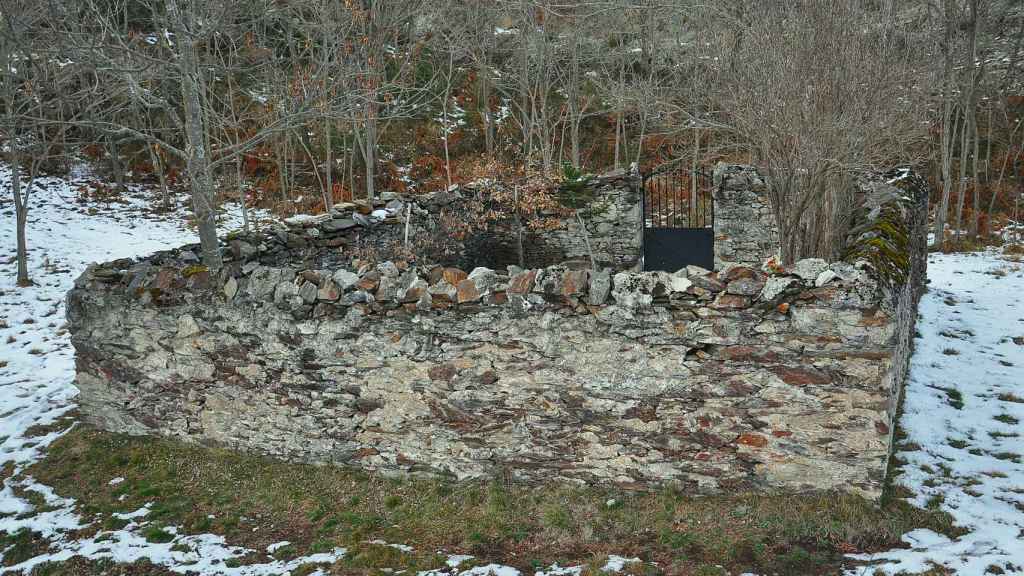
(678, 211)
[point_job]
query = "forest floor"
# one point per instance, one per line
(76, 500)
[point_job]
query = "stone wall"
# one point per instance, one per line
(466, 227)
(449, 227)
(745, 228)
(612, 218)
(784, 378)
(890, 235)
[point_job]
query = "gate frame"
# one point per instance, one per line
(706, 216)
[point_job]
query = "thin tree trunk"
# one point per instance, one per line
(693, 168)
(520, 252)
(199, 172)
(976, 205)
(484, 106)
(21, 215)
(960, 187)
(329, 172)
(586, 240)
(239, 182)
(444, 135)
(370, 154)
(316, 172)
(949, 132)
(618, 123)
(327, 50)
(115, 164)
(281, 153)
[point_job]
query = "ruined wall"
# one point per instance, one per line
(745, 378)
(745, 228)
(465, 227)
(448, 228)
(612, 218)
(610, 209)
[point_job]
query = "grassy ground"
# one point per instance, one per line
(255, 502)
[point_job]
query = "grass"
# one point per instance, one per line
(78, 566)
(961, 444)
(955, 398)
(1006, 419)
(20, 546)
(255, 502)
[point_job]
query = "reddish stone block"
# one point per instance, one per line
(442, 372)
(801, 376)
(453, 276)
(732, 301)
(522, 283)
(754, 440)
(369, 282)
(467, 292)
(575, 282)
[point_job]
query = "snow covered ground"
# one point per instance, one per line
(964, 418)
(963, 404)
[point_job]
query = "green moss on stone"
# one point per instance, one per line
(885, 245)
(194, 269)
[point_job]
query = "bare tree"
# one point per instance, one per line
(818, 90)
(30, 97)
(164, 69)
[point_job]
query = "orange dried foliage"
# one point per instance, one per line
(93, 151)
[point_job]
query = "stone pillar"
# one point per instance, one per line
(745, 229)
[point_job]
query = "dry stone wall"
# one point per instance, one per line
(611, 216)
(304, 348)
(463, 227)
(745, 227)
(744, 378)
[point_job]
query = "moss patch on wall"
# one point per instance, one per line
(885, 245)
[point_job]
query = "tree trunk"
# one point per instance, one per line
(115, 164)
(240, 183)
(199, 171)
(948, 138)
(484, 106)
(618, 123)
(948, 124)
(976, 197)
(329, 171)
(23, 279)
(282, 170)
(960, 187)
(21, 214)
(370, 153)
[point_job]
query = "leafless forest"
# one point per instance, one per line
(294, 105)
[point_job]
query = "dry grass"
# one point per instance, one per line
(255, 502)
(1014, 249)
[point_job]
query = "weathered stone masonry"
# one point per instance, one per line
(730, 380)
(745, 228)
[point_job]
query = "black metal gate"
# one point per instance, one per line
(678, 220)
